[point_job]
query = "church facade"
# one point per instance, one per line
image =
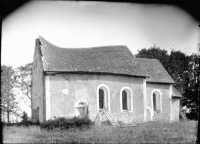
(68, 82)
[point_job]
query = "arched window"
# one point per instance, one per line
(103, 97)
(156, 101)
(126, 99)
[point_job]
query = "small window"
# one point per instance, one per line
(156, 102)
(126, 99)
(101, 99)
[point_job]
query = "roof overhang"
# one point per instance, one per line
(176, 96)
(175, 93)
(164, 83)
(90, 73)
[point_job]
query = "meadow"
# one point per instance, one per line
(151, 132)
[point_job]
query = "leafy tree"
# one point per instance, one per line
(192, 87)
(8, 97)
(23, 82)
(154, 53)
(178, 65)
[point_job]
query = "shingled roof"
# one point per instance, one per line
(104, 60)
(155, 70)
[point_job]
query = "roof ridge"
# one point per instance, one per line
(103, 46)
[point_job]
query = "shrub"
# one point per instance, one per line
(3, 123)
(192, 116)
(67, 123)
(24, 116)
(22, 123)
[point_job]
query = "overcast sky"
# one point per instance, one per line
(88, 24)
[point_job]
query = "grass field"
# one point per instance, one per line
(151, 132)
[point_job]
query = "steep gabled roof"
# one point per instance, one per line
(104, 60)
(155, 70)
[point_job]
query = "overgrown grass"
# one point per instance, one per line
(152, 132)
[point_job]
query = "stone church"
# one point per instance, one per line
(68, 82)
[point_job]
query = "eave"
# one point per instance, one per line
(91, 73)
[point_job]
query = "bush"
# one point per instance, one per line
(67, 123)
(192, 116)
(22, 123)
(24, 116)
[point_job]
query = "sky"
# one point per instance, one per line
(89, 24)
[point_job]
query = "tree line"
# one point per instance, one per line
(182, 68)
(15, 87)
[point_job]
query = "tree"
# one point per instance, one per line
(23, 82)
(8, 98)
(192, 87)
(178, 65)
(155, 53)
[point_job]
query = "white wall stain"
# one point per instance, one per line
(65, 91)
